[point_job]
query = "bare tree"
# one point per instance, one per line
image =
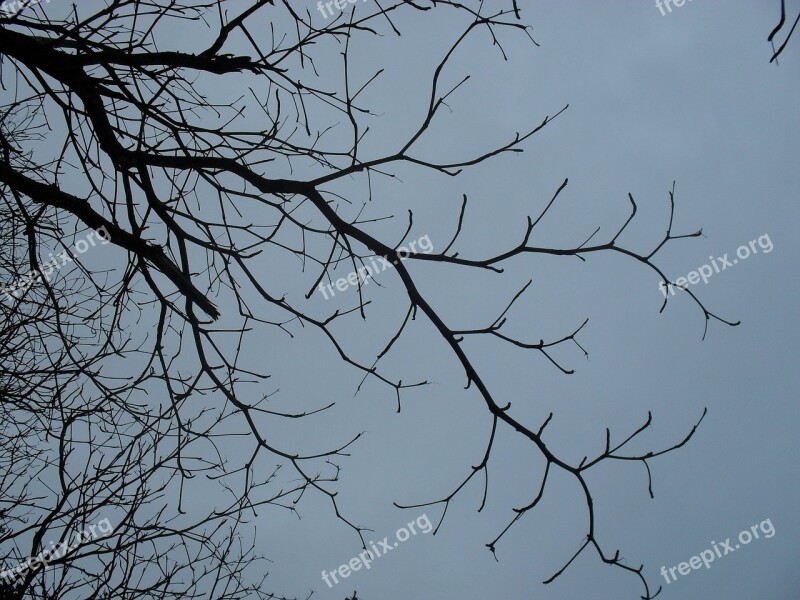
(778, 29)
(185, 179)
(77, 447)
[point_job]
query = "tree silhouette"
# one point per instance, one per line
(778, 29)
(126, 381)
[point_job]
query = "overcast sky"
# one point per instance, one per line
(687, 96)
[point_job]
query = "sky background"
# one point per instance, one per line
(688, 97)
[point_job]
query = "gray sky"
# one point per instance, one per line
(688, 96)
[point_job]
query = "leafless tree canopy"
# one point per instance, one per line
(124, 381)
